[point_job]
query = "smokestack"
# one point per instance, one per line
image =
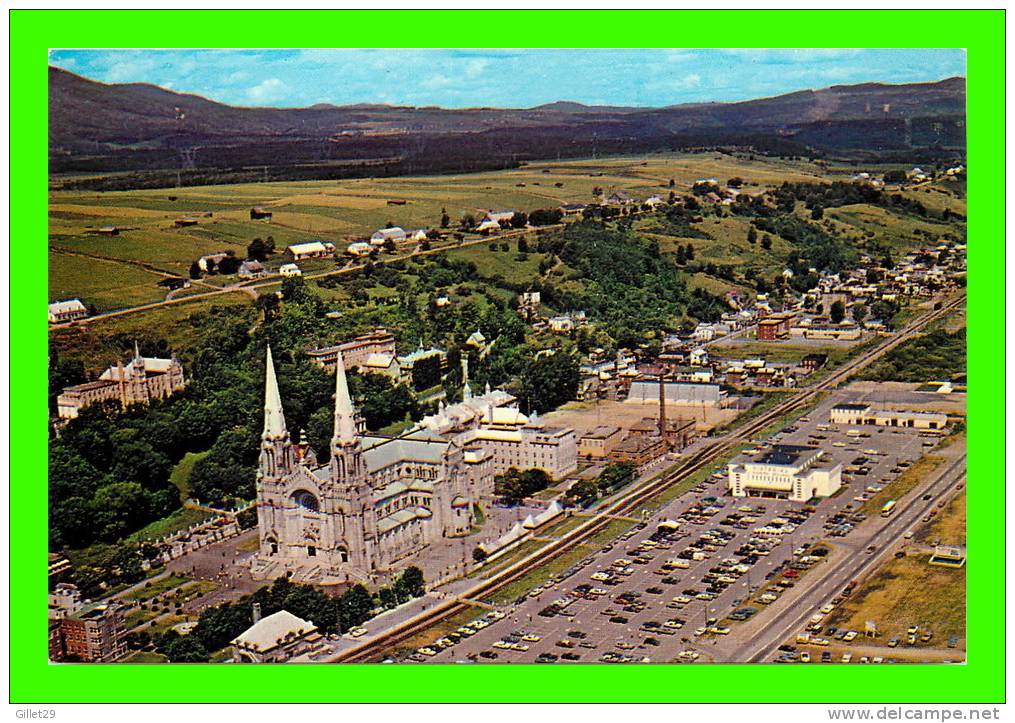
(256, 615)
(662, 403)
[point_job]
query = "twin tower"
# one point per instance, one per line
(376, 502)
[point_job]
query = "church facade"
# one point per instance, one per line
(377, 501)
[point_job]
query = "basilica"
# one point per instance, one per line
(377, 501)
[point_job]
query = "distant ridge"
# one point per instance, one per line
(97, 127)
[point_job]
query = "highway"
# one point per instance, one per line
(855, 565)
(629, 501)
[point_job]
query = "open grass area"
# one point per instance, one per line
(539, 575)
(903, 484)
(907, 591)
(179, 520)
(562, 527)
(108, 285)
(145, 656)
(898, 230)
(950, 526)
(138, 617)
(158, 587)
(180, 476)
(613, 530)
(523, 550)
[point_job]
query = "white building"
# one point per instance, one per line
(863, 414)
(288, 270)
(309, 250)
(60, 311)
(275, 639)
(787, 471)
(646, 391)
(359, 248)
(394, 234)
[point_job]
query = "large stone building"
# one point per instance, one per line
(355, 352)
(138, 382)
(377, 501)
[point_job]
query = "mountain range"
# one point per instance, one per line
(113, 128)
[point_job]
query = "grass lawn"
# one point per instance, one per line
(165, 623)
(158, 587)
(949, 527)
(138, 617)
(179, 520)
(907, 591)
(903, 484)
(509, 558)
(539, 575)
(562, 527)
(180, 476)
(145, 656)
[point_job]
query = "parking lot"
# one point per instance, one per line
(667, 588)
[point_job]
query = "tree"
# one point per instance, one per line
(837, 312)
(229, 265)
(551, 380)
(426, 373)
(195, 270)
(354, 607)
(445, 218)
(468, 222)
(519, 220)
(752, 235)
(257, 250)
(185, 649)
(597, 191)
(478, 554)
(859, 313)
(766, 242)
(523, 245)
(817, 213)
(409, 584)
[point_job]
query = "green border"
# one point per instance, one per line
(32, 679)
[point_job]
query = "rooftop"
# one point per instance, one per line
(786, 454)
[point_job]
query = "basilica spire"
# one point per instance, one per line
(274, 420)
(345, 419)
(466, 389)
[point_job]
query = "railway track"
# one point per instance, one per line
(376, 648)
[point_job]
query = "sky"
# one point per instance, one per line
(458, 78)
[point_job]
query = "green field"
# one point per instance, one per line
(344, 209)
(180, 476)
(538, 575)
(108, 285)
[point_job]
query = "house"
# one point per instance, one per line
(63, 311)
(441, 301)
(290, 270)
(488, 226)
(393, 234)
(378, 363)
(275, 639)
(356, 351)
(654, 202)
(108, 231)
(572, 209)
(184, 222)
(309, 250)
(698, 357)
(499, 216)
(258, 213)
(561, 324)
(174, 282)
(251, 270)
(417, 235)
(620, 198)
(813, 362)
(209, 261)
(359, 248)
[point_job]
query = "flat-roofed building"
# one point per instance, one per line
(597, 443)
(646, 391)
(94, 634)
(864, 414)
(355, 352)
(534, 446)
(786, 471)
(638, 449)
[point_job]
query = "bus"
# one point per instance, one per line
(888, 509)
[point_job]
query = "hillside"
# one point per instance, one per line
(95, 127)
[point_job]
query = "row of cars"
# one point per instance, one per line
(451, 639)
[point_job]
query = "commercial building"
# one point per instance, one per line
(309, 250)
(864, 414)
(638, 449)
(787, 471)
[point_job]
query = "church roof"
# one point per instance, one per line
(382, 452)
(401, 517)
(274, 420)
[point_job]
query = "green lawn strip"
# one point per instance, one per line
(520, 552)
(158, 587)
(138, 617)
(539, 575)
(903, 484)
(438, 630)
(180, 520)
(562, 527)
(180, 476)
(145, 656)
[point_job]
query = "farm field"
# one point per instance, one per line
(340, 210)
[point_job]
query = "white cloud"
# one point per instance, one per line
(267, 91)
(475, 67)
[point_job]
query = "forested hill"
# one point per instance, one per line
(95, 127)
